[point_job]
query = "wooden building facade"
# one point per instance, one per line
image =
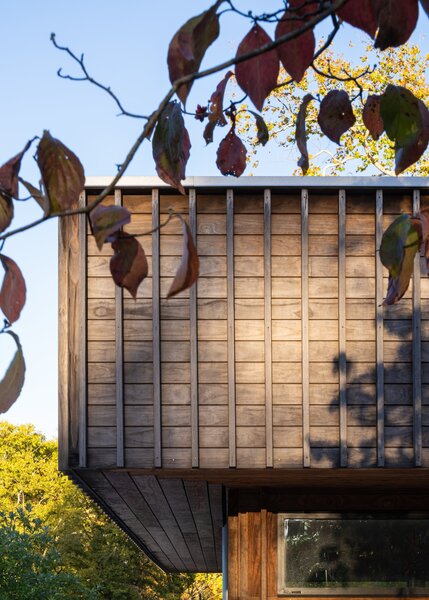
(277, 385)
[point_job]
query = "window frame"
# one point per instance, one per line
(283, 590)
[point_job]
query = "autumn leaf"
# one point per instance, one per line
(335, 114)
(360, 14)
(13, 381)
(128, 265)
(401, 115)
(188, 270)
(396, 21)
(37, 194)
(406, 156)
(6, 212)
(171, 146)
(231, 155)
(257, 76)
(301, 135)
(371, 116)
(425, 4)
(262, 134)
(62, 173)
(216, 114)
(13, 290)
(106, 221)
(296, 55)
(9, 187)
(188, 46)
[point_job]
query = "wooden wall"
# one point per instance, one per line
(280, 356)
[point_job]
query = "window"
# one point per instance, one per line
(359, 554)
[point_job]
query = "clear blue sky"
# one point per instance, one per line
(125, 47)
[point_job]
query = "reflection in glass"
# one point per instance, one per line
(363, 554)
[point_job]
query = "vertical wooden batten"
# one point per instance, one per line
(342, 359)
(193, 321)
(119, 367)
(268, 331)
(305, 330)
(417, 351)
(81, 326)
(156, 329)
(231, 328)
(379, 328)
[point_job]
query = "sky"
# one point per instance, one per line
(125, 46)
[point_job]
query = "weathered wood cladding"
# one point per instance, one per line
(281, 356)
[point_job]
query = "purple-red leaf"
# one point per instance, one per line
(37, 194)
(406, 156)
(361, 14)
(9, 173)
(62, 173)
(425, 4)
(6, 212)
(336, 114)
(106, 221)
(12, 382)
(187, 272)
(216, 115)
(171, 146)
(371, 116)
(262, 134)
(188, 46)
(397, 20)
(257, 76)
(296, 55)
(231, 155)
(13, 291)
(129, 264)
(301, 134)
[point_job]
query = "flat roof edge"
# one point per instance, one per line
(376, 182)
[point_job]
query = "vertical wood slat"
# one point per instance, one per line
(342, 359)
(82, 335)
(193, 323)
(379, 329)
(156, 329)
(305, 332)
(119, 357)
(417, 351)
(231, 327)
(264, 554)
(268, 332)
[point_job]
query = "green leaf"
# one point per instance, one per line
(106, 221)
(399, 234)
(401, 115)
(62, 173)
(171, 146)
(12, 382)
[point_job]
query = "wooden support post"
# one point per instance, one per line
(417, 350)
(305, 333)
(156, 330)
(342, 359)
(119, 357)
(231, 327)
(379, 329)
(82, 335)
(267, 332)
(193, 324)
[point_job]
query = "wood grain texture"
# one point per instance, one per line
(268, 331)
(380, 329)
(193, 325)
(231, 328)
(119, 359)
(156, 327)
(305, 329)
(417, 350)
(342, 357)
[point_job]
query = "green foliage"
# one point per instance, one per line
(78, 542)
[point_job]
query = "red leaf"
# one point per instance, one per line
(371, 116)
(62, 173)
(187, 273)
(171, 145)
(106, 221)
(396, 20)
(336, 114)
(425, 4)
(13, 290)
(188, 46)
(9, 173)
(231, 155)
(257, 76)
(6, 212)
(296, 55)
(12, 382)
(406, 156)
(129, 264)
(301, 135)
(361, 14)
(216, 115)
(262, 134)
